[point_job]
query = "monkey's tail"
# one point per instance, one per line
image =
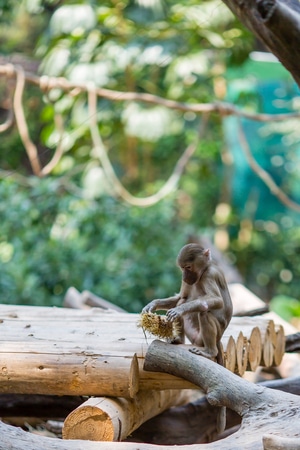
(221, 417)
(220, 359)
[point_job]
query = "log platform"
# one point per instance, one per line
(99, 352)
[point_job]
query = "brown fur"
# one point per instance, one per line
(203, 307)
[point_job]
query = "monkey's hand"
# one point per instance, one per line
(174, 313)
(151, 307)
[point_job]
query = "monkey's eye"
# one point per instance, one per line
(188, 267)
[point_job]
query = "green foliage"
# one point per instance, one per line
(51, 241)
(286, 307)
(158, 47)
(267, 254)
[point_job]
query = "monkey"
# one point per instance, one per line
(203, 307)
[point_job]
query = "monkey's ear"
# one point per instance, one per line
(207, 253)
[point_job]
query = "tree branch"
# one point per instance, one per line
(263, 411)
(277, 24)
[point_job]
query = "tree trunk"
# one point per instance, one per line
(277, 24)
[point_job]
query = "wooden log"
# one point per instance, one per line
(244, 300)
(73, 299)
(293, 342)
(280, 443)
(241, 354)
(196, 421)
(55, 374)
(88, 349)
(93, 300)
(250, 397)
(55, 406)
(278, 412)
(272, 339)
(229, 350)
(179, 425)
(268, 350)
(279, 347)
(253, 312)
(113, 419)
(254, 349)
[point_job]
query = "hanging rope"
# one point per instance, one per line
(112, 179)
(30, 147)
(10, 116)
(47, 83)
(262, 174)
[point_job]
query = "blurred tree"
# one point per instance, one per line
(52, 238)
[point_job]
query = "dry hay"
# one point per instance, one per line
(160, 326)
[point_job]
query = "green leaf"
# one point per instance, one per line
(286, 307)
(72, 19)
(150, 124)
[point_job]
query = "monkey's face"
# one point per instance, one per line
(189, 276)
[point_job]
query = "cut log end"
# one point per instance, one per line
(83, 423)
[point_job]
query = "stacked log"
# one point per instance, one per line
(257, 341)
(113, 419)
(96, 352)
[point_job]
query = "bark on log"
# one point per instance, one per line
(292, 343)
(196, 421)
(62, 374)
(187, 424)
(280, 443)
(277, 24)
(262, 410)
(113, 419)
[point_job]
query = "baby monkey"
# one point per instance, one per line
(203, 306)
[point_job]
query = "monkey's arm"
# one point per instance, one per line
(211, 300)
(162, 303)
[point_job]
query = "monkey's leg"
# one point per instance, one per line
(209, 335)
